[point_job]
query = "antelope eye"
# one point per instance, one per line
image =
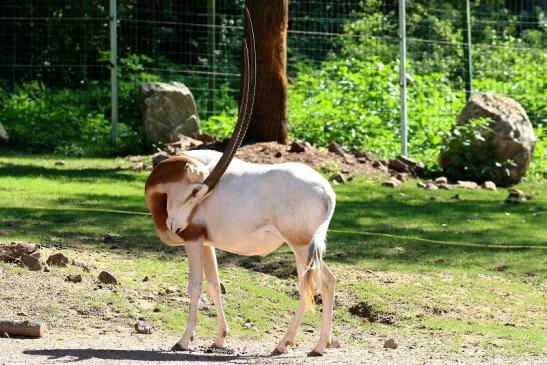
(194, 192)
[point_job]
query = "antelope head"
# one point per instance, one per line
(173, 190)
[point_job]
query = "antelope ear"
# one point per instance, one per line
(197, 172)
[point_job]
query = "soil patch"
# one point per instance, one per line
(367, 311)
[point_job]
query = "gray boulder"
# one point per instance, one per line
(169, 110)
(3, 135)
(510, 135)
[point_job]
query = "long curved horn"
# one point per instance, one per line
(246, 107)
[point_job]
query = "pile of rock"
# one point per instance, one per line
(28, 255)
(442, 183)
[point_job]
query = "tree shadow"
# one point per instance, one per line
(380, 212)
(76, 175)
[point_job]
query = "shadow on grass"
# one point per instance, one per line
(76, 175)
(479, 220)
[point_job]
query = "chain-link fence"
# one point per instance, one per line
(348, 48)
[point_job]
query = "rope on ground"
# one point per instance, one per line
(342, 231)
(437, 242)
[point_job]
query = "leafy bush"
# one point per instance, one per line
(70, 121)
(468, 154)
(356, 104)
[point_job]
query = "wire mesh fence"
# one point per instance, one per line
(58, 45)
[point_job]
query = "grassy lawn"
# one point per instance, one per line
(448, 296)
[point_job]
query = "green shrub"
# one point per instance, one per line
(69, 121)
(467, 153)
(356, 103)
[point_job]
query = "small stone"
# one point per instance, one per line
(339, 178)
(83, 265)
(441, 180)
(31, 262)
(297, 147)
(5, 335)
(14, 250)
(392, 183)
(58, 260)
(399, 166)
(489, 185)
(203, 302)
(336, 149)
(431, 186)
(445, 186)
(248, 324)
(364, 155)
(391, 343)
(516, 194)
(60, 163)
(146, 279)
(222, 288)
(107, 278)
(74, 278)
(143, 327)
(421, 184)
(467, 184)
(402, 176)
(170, 290)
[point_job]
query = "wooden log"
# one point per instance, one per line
(22, 328)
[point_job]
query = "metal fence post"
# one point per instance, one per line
(114, 71)
(467, 55)
(211, 19)
(402, 74)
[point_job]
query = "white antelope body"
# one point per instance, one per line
(252, 211)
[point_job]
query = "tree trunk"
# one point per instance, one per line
(269, 118)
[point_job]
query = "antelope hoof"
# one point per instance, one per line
(178, 347)
(277, 352)
(315, 353)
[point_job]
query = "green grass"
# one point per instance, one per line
(488, 297)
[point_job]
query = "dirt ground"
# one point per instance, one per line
(83, 329)
(113, 348)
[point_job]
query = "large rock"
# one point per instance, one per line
(169, 110)
(3, 135)
(509, 136)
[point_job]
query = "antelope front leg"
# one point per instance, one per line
(213, 284)
(194, 250)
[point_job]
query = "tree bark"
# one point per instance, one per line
(269, 118)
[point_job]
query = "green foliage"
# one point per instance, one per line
(356, 104)
(352, 98)
(538, 165)
(222, 125)
(65, 120)
(467, 153)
